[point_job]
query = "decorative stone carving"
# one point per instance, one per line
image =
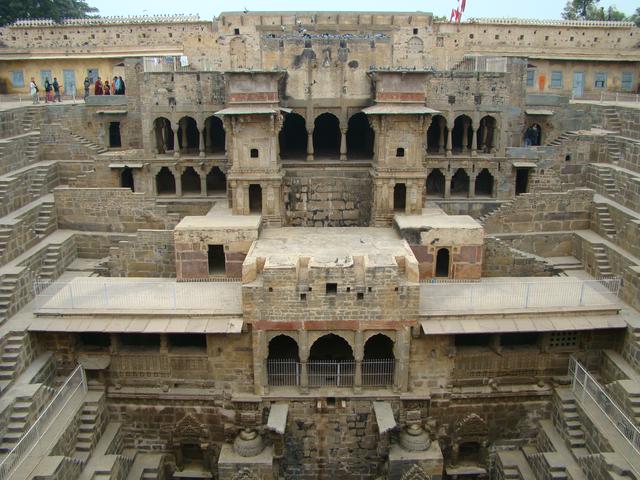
(248, 443)
(245, 474)
(416, 472)
(415, 439)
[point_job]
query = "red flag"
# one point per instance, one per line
(463, 5)
(453, 15)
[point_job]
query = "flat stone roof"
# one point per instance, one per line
(436, 220)
(328, 244)
(224, 222)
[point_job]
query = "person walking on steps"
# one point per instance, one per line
(87, 85)
(56, 90)
(33, 91)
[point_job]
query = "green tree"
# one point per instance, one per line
(635, 17)
(11, 10)
(580, 10)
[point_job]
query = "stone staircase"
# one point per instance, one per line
(97, 149)
(613, 150)
(608, 182)
(505, 205)
(11, 363)
(92, 424)
(8, 285)
(50, 262)
(602, 266)
(5, 236)
(611, 119)
(29, 117)
(567, 420)
(44, 224)
(605, 222)
(43, 174)
(563, 138)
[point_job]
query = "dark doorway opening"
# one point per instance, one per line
(165, 182)
(164, 134)
(283, 347)
(522, 180)
(126, 178)
(140, 341)
(360, 137)
(462, 134)
(378, 363)
(188, 135)
(484, 183)
(399, 197)
(331, 347)
(293, 137)
(194, 341)
(190, 181)
(283, 361)
(114, 135)
(214, 138)
(191, 454)
(216, 181)
(94, 340)
(460, 183)
(378, 347)
(217, 260)
(437, 135)
(435, 183)
(469, 453)
(442, 263)
(326, 136)
(255, 198)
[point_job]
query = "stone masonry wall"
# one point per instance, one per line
(149, 254)
(110, 210)
(542, 212)
(327, 198)
(501, 260)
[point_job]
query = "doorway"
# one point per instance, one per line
(442, 263)
(255, 198)
(578, 84)
(114, 135)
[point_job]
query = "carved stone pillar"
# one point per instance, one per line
(177, 174)
(203, 182)
(472, 186)
(474, 141)
(483, 140)
(359, 354)
(343, 144)
(447, 186)
(441, 141)
(304, 359)
(465, 135)
(201, 132)
(310, 145)
(449, 141)
(496, 138)
(176, 143)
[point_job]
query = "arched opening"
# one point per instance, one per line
(283, 361)
(188, 135)
(163, 135)
(126, 178)
(214, 136)
(114, 135)
(190, 181)
(484, 183)
(326, 136)
(486, 134)
(331, 362)
(460, 183)
(360, 137)
(399, 197)
(255, 198)
(462, 134)
(216, 181)
(293, 137)
(442, 263)
(415, 45)
(165, 182)
(378, 363)
(533, 136)
(469, 453)
(192, 455)
(435, 183)
(437, 135)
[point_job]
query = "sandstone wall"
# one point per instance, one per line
(542, 212)
(109, 210)
(501, 260)
(149, 254)
(327, 198)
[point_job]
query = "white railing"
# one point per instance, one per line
(167, 64)
(584, 385)
(547, 292)
(609, 97)
(477, 63)
(283, 372)
(134, 295)
(331, 373)
(76, 381)
(378, 373)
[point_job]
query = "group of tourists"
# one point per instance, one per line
(51, 90)
(117, 87)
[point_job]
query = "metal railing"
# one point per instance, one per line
(544, 293)
(378, 373)
(283, 372)
(76, 381)
(609, 97)
(331, 373)
(167, 64)
(131, 294)
(583, 384)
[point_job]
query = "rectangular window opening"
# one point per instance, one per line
(193, 341)
(216, 259)
(331, 288)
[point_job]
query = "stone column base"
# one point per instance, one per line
(429, 461)
(232, 466)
